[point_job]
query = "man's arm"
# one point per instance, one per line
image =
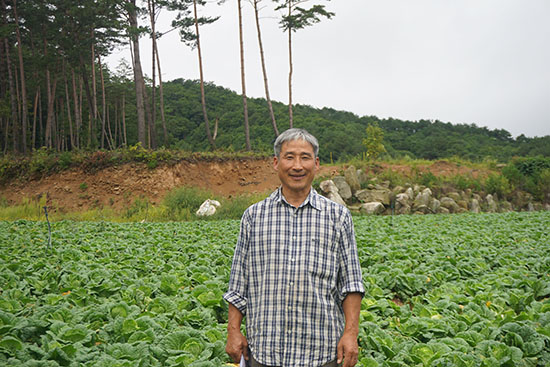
(236, 342)
(348, 349)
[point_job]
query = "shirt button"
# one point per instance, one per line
(293, 237)
(292, 259)
(291, 283)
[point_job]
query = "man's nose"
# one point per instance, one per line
(297, 164)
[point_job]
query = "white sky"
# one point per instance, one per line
(485, 62)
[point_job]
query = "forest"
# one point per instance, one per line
(57, 93)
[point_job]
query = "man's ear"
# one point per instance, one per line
(275, 163)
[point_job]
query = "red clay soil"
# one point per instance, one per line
(119, 186)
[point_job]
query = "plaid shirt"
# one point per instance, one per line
(291, 270)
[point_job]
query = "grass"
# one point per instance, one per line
(179, 205)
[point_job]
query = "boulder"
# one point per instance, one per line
(331, 191)
(423, 198)
(398, 190)
(343, 188)
(443, 210)
(373, 208)
(449, 204)
(368, 196)
(402, 204)
(351, 177)
(491, 204)
(421, 209)
(410, 193)
(435, 205)
(462, 204)
(455, 196)
(363, 178)
(506, 206)
(208, 208)
(530, 207)
(474, 206)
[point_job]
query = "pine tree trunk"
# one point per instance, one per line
(138, 78)
(125, 141)
(22, 81)
(161, 97)
(77, 111)
(68, 101)
(243, 80)
(260, 43)
(151, 6)
(103, 102)
(290, 117)
(90, 102)
(13, 100)
(35, 109)
(203, 98)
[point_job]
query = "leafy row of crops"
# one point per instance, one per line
(462, 290)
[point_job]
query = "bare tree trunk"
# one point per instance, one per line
(94, 88)
(125, 141)
(260, 43)
(90, 101)
(35, 109)
(290, 117)
(13, 101)
(22, 81)
(243, 80)
(103, 102)
(68, 99)
(161, 97)
(151, 6)
(138, 78)
(77, 111)
(51, 87)
(203, 98)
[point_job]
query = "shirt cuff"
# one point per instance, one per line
(356, 287)
(236, 300)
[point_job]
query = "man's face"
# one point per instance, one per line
(296, 166)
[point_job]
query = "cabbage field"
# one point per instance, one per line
(442, 290)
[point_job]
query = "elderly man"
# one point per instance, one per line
(295, 273)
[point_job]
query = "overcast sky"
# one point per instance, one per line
(485, 62)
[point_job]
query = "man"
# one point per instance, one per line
(295, 272)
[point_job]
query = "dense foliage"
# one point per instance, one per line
(340, 133)
(460, 290)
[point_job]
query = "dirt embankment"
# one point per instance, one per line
(119, 186)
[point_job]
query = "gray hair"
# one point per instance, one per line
(295, 134)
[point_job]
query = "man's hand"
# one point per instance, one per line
(236, 342)
(236, 345)
(347, 349)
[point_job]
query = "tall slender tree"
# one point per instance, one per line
(185, 22)
(298, 18)
(243, 79)
(264, 71)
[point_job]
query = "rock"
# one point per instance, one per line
(421, 209)
(405, 209)
(443, 210)
(462, 204)
(547, 207)
(363, 178)
(506, 206)
(208, 208)
(343, 188)
(397, 190)
(331, 191)
(373, 208)
(449, 204)
(435, 205)
(423, 199)
(351, 177)
(410, 193)
(402, 204)
(455, 196)
(491, 204)
(474, 206)
(328, 186)
(530, 207)
(368, 196)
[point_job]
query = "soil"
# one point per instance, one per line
(117, 187)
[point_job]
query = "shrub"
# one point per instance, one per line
(498, 184)
(190, 198)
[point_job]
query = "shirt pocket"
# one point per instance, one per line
(322, 259)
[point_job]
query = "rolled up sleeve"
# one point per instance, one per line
(349, 279)
(237, 293)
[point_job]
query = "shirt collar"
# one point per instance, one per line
(312, 199)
